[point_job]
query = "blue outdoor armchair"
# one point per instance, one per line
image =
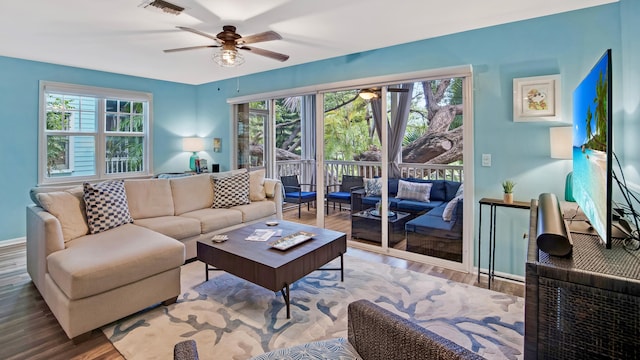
(343, 195)
(293, 192)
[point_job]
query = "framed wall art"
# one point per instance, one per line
(536, 98)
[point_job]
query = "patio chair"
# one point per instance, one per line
(293, 192)
(343, 195)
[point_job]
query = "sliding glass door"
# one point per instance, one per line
(421, 123)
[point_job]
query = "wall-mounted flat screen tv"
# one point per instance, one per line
(592, 147)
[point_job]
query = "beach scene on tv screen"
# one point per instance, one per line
(590, 111)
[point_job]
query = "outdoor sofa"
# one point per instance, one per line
(104, 251)
(436, 225)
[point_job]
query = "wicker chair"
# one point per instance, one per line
(343, 195)
(185, 350)
(293, 192)
(375, 333)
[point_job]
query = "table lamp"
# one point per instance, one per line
(193, 145)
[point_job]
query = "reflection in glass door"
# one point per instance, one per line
(251, 126)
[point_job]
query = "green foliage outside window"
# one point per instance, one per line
(57, 146)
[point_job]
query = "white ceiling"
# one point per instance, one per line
(121, 36)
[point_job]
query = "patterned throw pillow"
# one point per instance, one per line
(230, 191)
(373, 187)
(414, 191)
(106, 205)
(447, 214)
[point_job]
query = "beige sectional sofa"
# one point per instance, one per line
(91, 279)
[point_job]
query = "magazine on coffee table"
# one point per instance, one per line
(261, 235)
(292, 240)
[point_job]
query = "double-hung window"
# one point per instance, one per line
(89, 133)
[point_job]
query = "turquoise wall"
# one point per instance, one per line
(174, 116)
(568, 44)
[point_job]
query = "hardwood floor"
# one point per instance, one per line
(29, 330)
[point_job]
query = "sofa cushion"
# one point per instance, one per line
(93, 264)
(451, 189)
(68, 207)
(231, 191)
(392, 186)
(373, 187)
(256, 210)
(414, 191)
(149, 198)
(191, 193)
(256, 185)
(106, 205)
(417, 206)
(423, 224)
(215, 219)
(176, 227)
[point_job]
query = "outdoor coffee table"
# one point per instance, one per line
(365, 225)
(273, 269)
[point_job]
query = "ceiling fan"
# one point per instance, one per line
(230, 41)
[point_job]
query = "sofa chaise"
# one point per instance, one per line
(100, 252)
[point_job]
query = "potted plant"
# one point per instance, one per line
(507, 187)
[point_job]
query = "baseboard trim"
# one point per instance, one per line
(502, 275)
(12, 242)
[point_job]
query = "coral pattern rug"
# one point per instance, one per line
(231, 318)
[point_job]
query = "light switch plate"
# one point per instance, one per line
(486, 159)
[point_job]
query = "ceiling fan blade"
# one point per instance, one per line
(212, 37)
(190, 48)
(397, 90)
(255, 38)
(267, 53)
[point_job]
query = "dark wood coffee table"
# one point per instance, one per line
(271, 268)
(366, 226)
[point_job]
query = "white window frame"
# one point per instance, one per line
(100, 134)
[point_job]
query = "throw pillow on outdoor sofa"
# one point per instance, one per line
(414, 191)
(373, 187)
(447, 214)
(106, 205)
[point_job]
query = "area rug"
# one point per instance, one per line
(231, 318)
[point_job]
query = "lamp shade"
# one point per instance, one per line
(193, 144)
(561, 141)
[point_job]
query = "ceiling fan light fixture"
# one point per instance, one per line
(367, 94)
(228, 58)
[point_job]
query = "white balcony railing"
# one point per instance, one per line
(334, 170)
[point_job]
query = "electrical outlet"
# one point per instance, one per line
(486, 159)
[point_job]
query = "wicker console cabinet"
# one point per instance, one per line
(586, 306)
